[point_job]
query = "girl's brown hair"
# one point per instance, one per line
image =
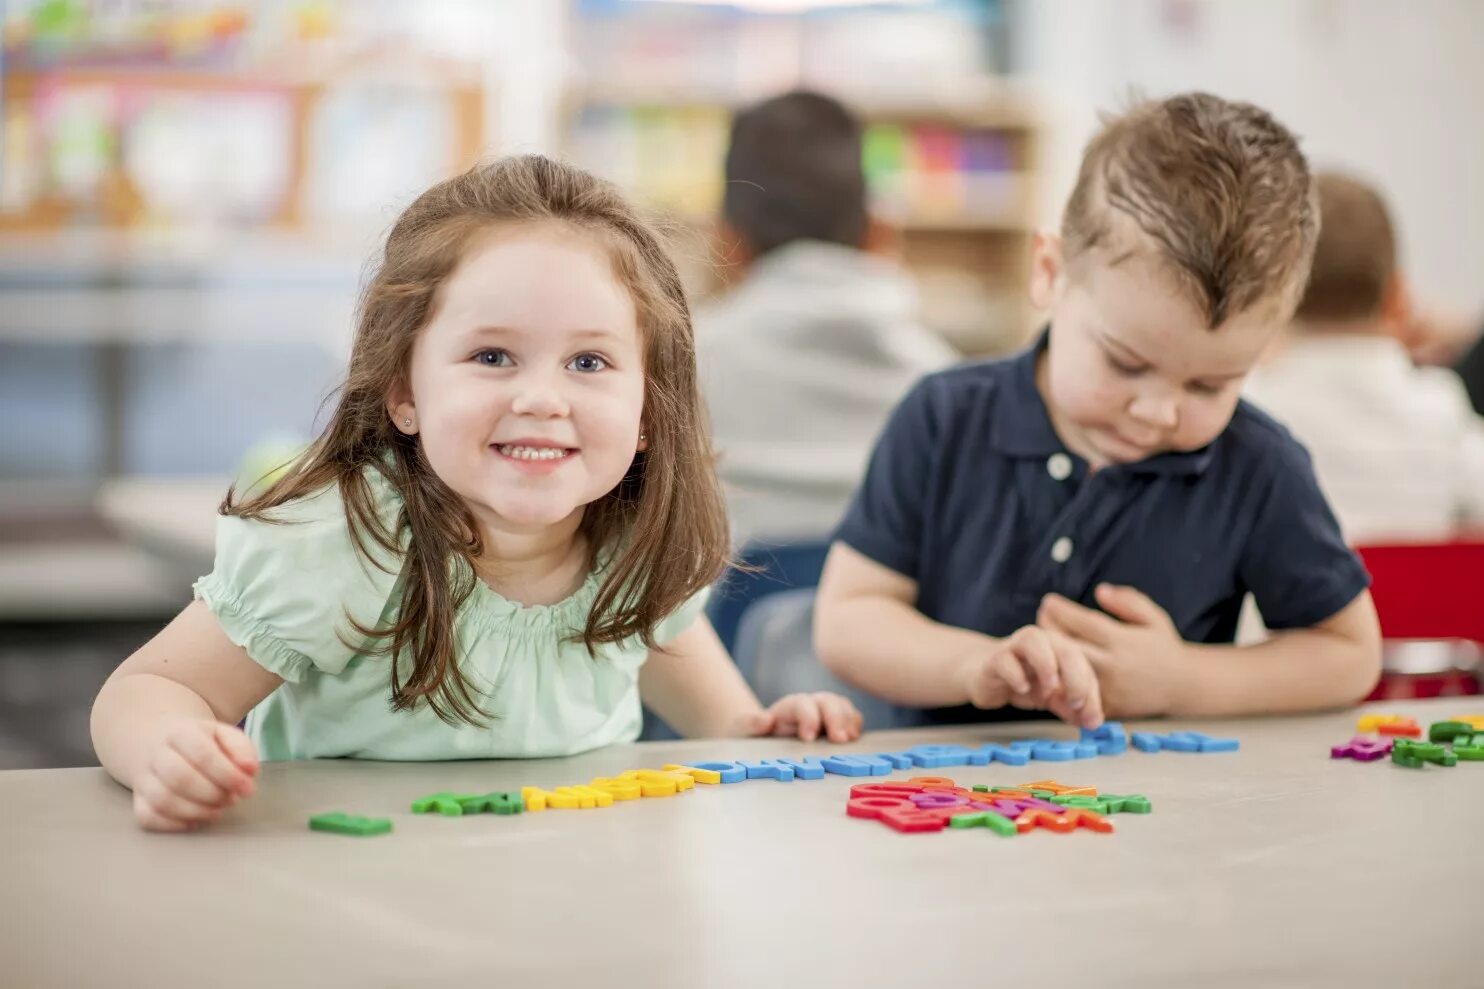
(664, 524)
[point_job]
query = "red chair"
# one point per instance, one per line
(1428, 591)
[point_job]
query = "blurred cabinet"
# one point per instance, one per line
(182, 113)
(129, 147)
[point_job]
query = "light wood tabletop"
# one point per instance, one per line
(1271, 866)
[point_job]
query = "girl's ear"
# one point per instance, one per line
(399, 406)
(643, 440)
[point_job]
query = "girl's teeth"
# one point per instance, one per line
(533, 452)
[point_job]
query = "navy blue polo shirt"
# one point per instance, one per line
(972, 495)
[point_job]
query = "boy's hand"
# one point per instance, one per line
(803, 715)
(1036, 669)
(197, 770)
(1135, 649)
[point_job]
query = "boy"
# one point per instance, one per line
(803, 362)
(1398, 449)
(1075, 528)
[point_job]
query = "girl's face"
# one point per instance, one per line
(527, 385)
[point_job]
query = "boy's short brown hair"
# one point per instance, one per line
(1220, 188)
(1356, 255)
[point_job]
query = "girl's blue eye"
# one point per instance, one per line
(492, 358)
(588, 363)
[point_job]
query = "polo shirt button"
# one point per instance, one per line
(1059, 466)
(1061, 550)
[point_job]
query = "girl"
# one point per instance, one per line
(502, 539)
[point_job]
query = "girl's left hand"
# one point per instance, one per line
(804, 715)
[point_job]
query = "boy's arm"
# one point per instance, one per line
(189, 672)
(693, 684)
(1145, 668)
(1332, 664)
(868, 632)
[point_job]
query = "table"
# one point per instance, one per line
(1273, 866)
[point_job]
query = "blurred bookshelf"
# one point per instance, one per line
(171, 116)
(950, 147)
(194, 173)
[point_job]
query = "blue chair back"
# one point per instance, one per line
(774, 567)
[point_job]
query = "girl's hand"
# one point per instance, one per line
(197, 770)
(803, 715)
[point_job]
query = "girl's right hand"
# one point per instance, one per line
(196, 771)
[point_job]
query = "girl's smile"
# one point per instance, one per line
(533, 456)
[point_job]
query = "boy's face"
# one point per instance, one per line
(1132, 369)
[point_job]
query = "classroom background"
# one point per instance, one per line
(190, 192)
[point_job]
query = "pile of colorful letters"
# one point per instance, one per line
(1109, 739)
(931, 803)
(1447, 741)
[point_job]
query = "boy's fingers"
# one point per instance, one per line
(1006, 665)
(1081, 681)
(1130, 604)
(1063, 710)
(1098, 659)
(181, 776)
(1075, 620)
(1033, 646)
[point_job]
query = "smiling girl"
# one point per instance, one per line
(501, 541)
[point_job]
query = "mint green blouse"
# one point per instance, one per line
(283, 593)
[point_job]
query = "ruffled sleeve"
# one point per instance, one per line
(682, 617)
(285, 591)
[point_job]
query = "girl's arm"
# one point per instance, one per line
(165, 722)
(693, 684)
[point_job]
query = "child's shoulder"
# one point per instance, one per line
(320, 528)
(1255, 439)
(282, 586)
(968, 384)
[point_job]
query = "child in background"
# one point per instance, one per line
(1075, 528)
(1398, 449)
(502, 538)
(802, 362)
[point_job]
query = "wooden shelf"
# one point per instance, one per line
(963, 224)
(120, 206)
(995, 107)
(963, 231)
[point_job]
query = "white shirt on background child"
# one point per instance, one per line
(1398, 449)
